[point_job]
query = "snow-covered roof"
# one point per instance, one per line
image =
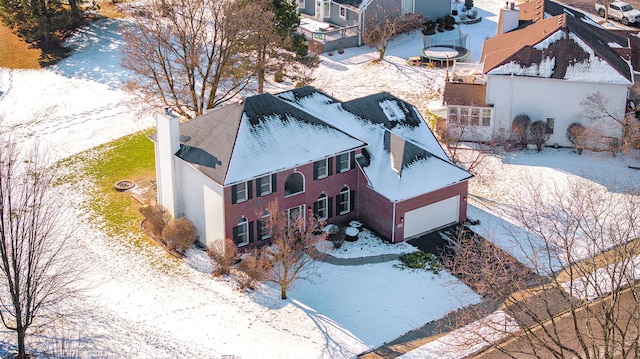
(268, 133)
(257, 136)
(402, 159)
(564, 46)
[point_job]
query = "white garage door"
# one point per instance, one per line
(424, 219)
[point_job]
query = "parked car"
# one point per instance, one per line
(620, 11)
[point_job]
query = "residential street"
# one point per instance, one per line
(521, 348)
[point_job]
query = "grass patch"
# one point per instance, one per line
(15, 53)
(128, 158)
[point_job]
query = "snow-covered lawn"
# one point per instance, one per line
(143, 304)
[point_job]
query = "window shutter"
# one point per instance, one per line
(315, 208)
(273, 183)
(236, 240)
(352, 201)
(337, 205)
(251, 231)
(315, 170)
(259, 225)
(258, 185)
(330, 167)
(352, 159)
(329, 207)
(250, 190)
(234, 194)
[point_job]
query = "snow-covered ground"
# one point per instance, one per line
(146, 305)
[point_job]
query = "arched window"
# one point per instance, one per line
(294, 184)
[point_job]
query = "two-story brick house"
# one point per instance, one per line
(372, 159)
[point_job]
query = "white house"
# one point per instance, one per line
(371, 159)
(544, 67)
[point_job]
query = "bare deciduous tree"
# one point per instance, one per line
(383, 22)
(583, 242)
(37, 271)
(451, 133)
(292, 248)
(596, 108)
(190, 55)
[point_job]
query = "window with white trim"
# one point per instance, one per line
(486, 117)
(296, 217)
(343, 12)
(344, 201)
(264, 185)
(265, 233)
(322, 169)
(322, 207)
(344, 162)
(241, 232)
(301, 4)
(240, 191)
(470, 115)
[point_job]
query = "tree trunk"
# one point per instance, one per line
(283, 292)
(261, 62)
(22, 352)
(75, 13)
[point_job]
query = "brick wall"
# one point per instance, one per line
(332, 185)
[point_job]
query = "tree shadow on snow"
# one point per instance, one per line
(96, 54)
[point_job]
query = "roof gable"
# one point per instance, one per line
(274, 135)
(207, 141)
(560, 47)
(402, 158)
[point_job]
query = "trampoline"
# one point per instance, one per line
(443, 53)
(445, 46)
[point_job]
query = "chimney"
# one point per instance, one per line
(396, 152)
(166, 146)
(509, 18)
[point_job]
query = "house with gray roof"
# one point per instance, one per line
(372, 159)
(334, 24)
(545, 61)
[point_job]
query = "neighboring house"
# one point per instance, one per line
(372, 159)
(340, 22)
(541, 66)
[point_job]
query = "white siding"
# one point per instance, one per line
(544, 98)
(203, 203)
